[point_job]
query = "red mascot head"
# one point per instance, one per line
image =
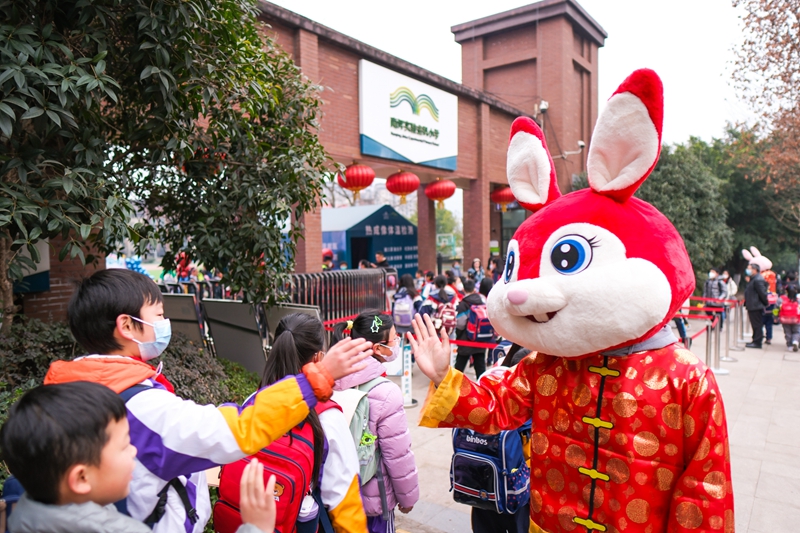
(596, 269)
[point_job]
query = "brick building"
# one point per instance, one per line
(512, 62)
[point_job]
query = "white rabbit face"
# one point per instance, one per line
(587, 296)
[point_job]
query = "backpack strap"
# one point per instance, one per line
(127, 394)
(366, 387)
(324, 519)
(160, 508)
(371, 384)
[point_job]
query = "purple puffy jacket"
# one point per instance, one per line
(387, 420)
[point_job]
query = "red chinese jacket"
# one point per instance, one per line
(651, 457)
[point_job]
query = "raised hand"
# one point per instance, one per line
(257, 503)
(346, 357)
(431, 350)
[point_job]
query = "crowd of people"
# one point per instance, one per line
(136, 445)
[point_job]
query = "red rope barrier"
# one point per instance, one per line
(703, 299)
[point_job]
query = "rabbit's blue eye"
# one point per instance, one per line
(511, 262)
(571, 254)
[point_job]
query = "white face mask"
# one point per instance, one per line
(152, 349)
(396, 350)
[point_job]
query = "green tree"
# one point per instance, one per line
(689, 195)
(183, 107)
(737, 159)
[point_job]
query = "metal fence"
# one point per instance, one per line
(341, 293)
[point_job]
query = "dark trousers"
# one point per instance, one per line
(757, 323)
(484, 521)
(768, 321)
(478, 359)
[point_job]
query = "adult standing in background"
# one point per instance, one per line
(476, 271)
(715, 289)
(730, 285)
(755, 300)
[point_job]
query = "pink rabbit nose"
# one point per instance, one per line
(517, 297)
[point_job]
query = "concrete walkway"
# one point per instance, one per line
(762, 403)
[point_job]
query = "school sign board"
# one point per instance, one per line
(406, 120)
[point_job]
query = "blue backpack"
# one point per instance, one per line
(479, 327)
(489, 471)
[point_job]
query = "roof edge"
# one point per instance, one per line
(384, 59)
(529, 14)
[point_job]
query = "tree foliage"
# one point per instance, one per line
(738, 160)
(689, 195)
(768, 76)
(185, 108)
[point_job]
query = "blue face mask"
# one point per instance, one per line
(748, 272)
(152, 349)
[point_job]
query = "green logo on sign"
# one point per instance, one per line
(417, 103)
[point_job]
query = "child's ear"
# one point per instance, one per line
(77, 480)
(124, 327)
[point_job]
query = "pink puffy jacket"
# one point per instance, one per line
(387, 420)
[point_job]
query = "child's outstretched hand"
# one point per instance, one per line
(257, 503)
(346, 356)
(431, 350)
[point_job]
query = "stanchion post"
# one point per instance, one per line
(717, 369)
(731, 325)
(709, 346)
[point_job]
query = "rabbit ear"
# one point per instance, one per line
(755, 251)
(627, 138)
(747, 255)
(530, 169)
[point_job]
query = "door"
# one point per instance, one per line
(360, 248)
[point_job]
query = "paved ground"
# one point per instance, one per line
(762, 402)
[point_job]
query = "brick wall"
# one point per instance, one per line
(51, 306)
(551, 59)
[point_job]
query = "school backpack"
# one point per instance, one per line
(444, 316)
(489, 471)
(291, 460)
(789, 312)
(479, 328)
(355, 406)
(403, 312)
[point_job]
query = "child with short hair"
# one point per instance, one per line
(119, 316)
(74, 463)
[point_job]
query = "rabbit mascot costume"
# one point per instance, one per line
(628, 427)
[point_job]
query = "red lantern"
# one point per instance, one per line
(356, 177)
(502, 196)
(402, 183)
(439, 191)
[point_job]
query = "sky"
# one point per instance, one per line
(689, 43)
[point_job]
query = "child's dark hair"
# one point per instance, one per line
(791, 292)
(100, 299)
(54, 427)
(486, 286)
(365, 326)
(440, 282)
(298, 338)
(408, 282)
(469, 286)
